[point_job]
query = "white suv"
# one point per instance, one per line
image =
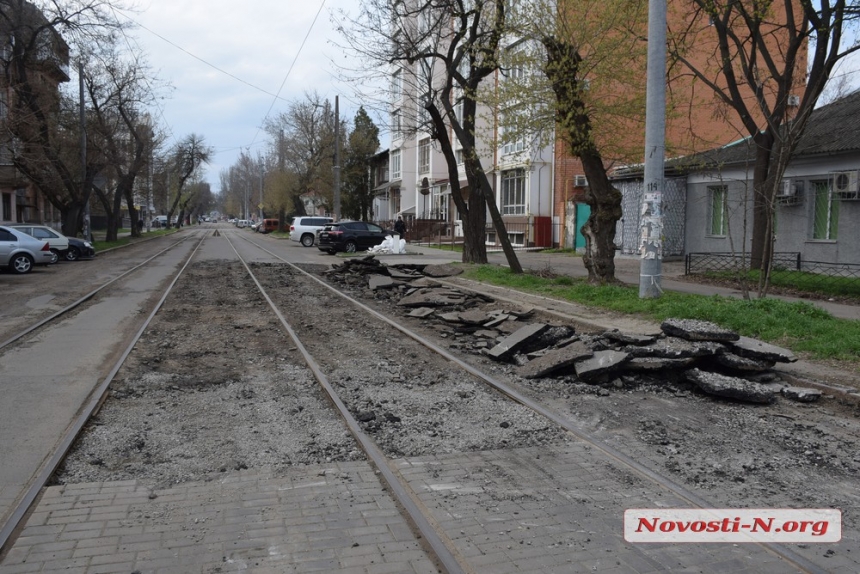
(305, 228)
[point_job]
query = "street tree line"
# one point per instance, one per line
(294, 174)
(97, 137)
(573, 71)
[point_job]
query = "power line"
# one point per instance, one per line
(298, 53)
(211, 65)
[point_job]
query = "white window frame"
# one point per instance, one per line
(513, 192)
(424, 156)
(395, 165)
(397, 85)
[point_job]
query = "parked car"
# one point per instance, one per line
(269, 225)
(79, 249)
(305, 228)
(19, 252)
(57, 242)
(351, 236)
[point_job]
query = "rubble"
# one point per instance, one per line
(801, 394)
(555, 360)
(731, 387)
(715, 360)
(694, 330)
(755, 349)
(512, 343)
(601, 364)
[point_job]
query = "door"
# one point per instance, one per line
(7, 244)
(583, 211)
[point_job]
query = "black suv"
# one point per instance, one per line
(351, 236)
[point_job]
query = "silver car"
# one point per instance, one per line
(19, 252)
(57, 242)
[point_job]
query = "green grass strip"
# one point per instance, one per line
(798, 326)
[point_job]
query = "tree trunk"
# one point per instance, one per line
(599, 230)
(474, 229)
(562, 68)
(72, 215)
(761, 244)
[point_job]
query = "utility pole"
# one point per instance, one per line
(261, 188)
(336, 159)
(651, 217)
(85, 192)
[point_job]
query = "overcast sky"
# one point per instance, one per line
(197, 45)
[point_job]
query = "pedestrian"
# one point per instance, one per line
(400, 227)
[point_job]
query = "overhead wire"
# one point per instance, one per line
(275, 96)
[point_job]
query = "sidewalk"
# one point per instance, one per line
(627, 271)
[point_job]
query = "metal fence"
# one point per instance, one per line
(789, 271)
(529, 236)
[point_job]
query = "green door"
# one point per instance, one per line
(582, 213)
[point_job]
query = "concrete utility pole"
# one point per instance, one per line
(261, 188)
(88, 235)
(336, 159)
(651, 217)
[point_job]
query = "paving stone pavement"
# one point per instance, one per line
(551, 509)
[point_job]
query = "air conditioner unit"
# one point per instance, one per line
(790, 192)
(580, 181)
(794, 101)
(845, 185)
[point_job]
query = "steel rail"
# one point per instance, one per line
(85, 298)
(97, 397)
(443, 549)
(692, 498)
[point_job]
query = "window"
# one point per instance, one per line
(717, 208)
(507, 125)
(396, 124)
(825, 212)
(395, 165)
(424, 156)
(460, 156)
(396, 86)
(423, 114)
(514, 192)
(6, 214)
(439, 203)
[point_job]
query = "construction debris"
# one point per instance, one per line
(700, 354)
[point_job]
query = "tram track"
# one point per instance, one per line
(442, 376)
(94, 399)
(86, 297)
(520, 398)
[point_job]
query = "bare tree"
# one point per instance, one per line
(304, 140)
(187, 160)
(37, 48)
(120, 90)
(760, 50)
(447, 48)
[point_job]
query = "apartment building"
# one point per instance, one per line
(20, 200)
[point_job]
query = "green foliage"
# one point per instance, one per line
(799, 326)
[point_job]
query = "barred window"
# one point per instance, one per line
(717, 197)
(825, 212)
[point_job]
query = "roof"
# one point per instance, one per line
(832, 129)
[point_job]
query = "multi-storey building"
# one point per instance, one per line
(538, 188)
(520, 172)
(48, 66)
